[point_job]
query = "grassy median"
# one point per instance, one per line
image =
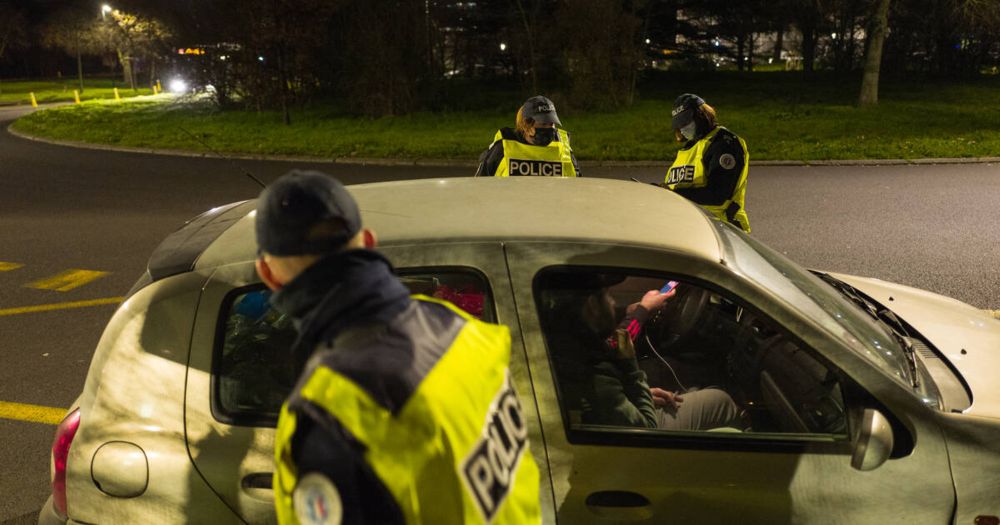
(61, 90)
(782, 116)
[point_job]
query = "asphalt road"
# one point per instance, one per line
(99, 214)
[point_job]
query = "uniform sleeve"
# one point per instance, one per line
(626, 401)
(330, 450)
(724, 151)
(490, 159)
(572, 156)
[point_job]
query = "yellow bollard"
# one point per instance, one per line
(34, 102)
(76, 95)
(159, 88)
(117, 96)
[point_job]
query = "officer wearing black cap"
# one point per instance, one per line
(711, 168)
(400, 396)
(534, 147)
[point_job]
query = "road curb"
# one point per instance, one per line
(461, 163)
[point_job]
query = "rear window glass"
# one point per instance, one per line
(252, 367)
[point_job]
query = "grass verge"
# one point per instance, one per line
(62, 90)
(782, 116)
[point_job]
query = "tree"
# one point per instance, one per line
(12, 29)
(846, 14)
(605, 54)
(878, 27)
(810, 17)
(76, 32)
(132, 36)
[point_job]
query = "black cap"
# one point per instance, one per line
(305, 213)
(541, 110)
(684, 107)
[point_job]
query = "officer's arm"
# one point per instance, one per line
(331, 451)
(721, 180)
(490, 159)
(576, 165)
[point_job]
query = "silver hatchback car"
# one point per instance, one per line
(861, 401)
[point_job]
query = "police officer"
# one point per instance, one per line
(404, 412)
(711, 168)
(535, 147)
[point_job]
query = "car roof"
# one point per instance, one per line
(507, 209)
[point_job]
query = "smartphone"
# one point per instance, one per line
(669, 286)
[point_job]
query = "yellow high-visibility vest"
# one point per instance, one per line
(688, 171)
(455, 452)
(552, 160)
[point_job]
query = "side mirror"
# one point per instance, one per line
(873, 443)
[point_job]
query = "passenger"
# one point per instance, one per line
(597, 369)
(711, 168)
(534, 147)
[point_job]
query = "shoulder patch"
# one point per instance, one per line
(727, 161)
(317, 502)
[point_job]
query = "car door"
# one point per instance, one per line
(239, 372)
(792, 464)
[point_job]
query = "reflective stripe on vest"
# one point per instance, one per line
(552, 160)
(457, 450)
(688, 171)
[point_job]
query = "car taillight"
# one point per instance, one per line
(60, 454)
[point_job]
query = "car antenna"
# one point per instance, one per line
(219, 154)
(215, 151)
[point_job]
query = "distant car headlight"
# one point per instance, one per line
(178, 85)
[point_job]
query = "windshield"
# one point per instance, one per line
(815, 299)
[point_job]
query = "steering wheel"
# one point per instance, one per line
(680, 317)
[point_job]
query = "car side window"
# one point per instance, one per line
(252, 367)
(626, 353)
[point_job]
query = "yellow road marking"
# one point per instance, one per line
(8, 266)
(68, 280)
(60, 306)
(31, 413)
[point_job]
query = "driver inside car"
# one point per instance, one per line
(596, 363)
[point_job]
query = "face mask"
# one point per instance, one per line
(689, 130)
(543, 136)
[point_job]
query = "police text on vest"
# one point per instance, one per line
(535, 167)
(681, 174)
(488, 471)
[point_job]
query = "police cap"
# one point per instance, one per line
(684, 108)
(305, 213)
(540, 109)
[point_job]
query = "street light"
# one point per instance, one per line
(105, 9)
(503, 46)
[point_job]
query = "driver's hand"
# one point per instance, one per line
(653, 300)
(665, 399)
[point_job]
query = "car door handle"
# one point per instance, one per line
(619, 505)
(258, 480)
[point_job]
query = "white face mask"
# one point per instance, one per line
(689, 130)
